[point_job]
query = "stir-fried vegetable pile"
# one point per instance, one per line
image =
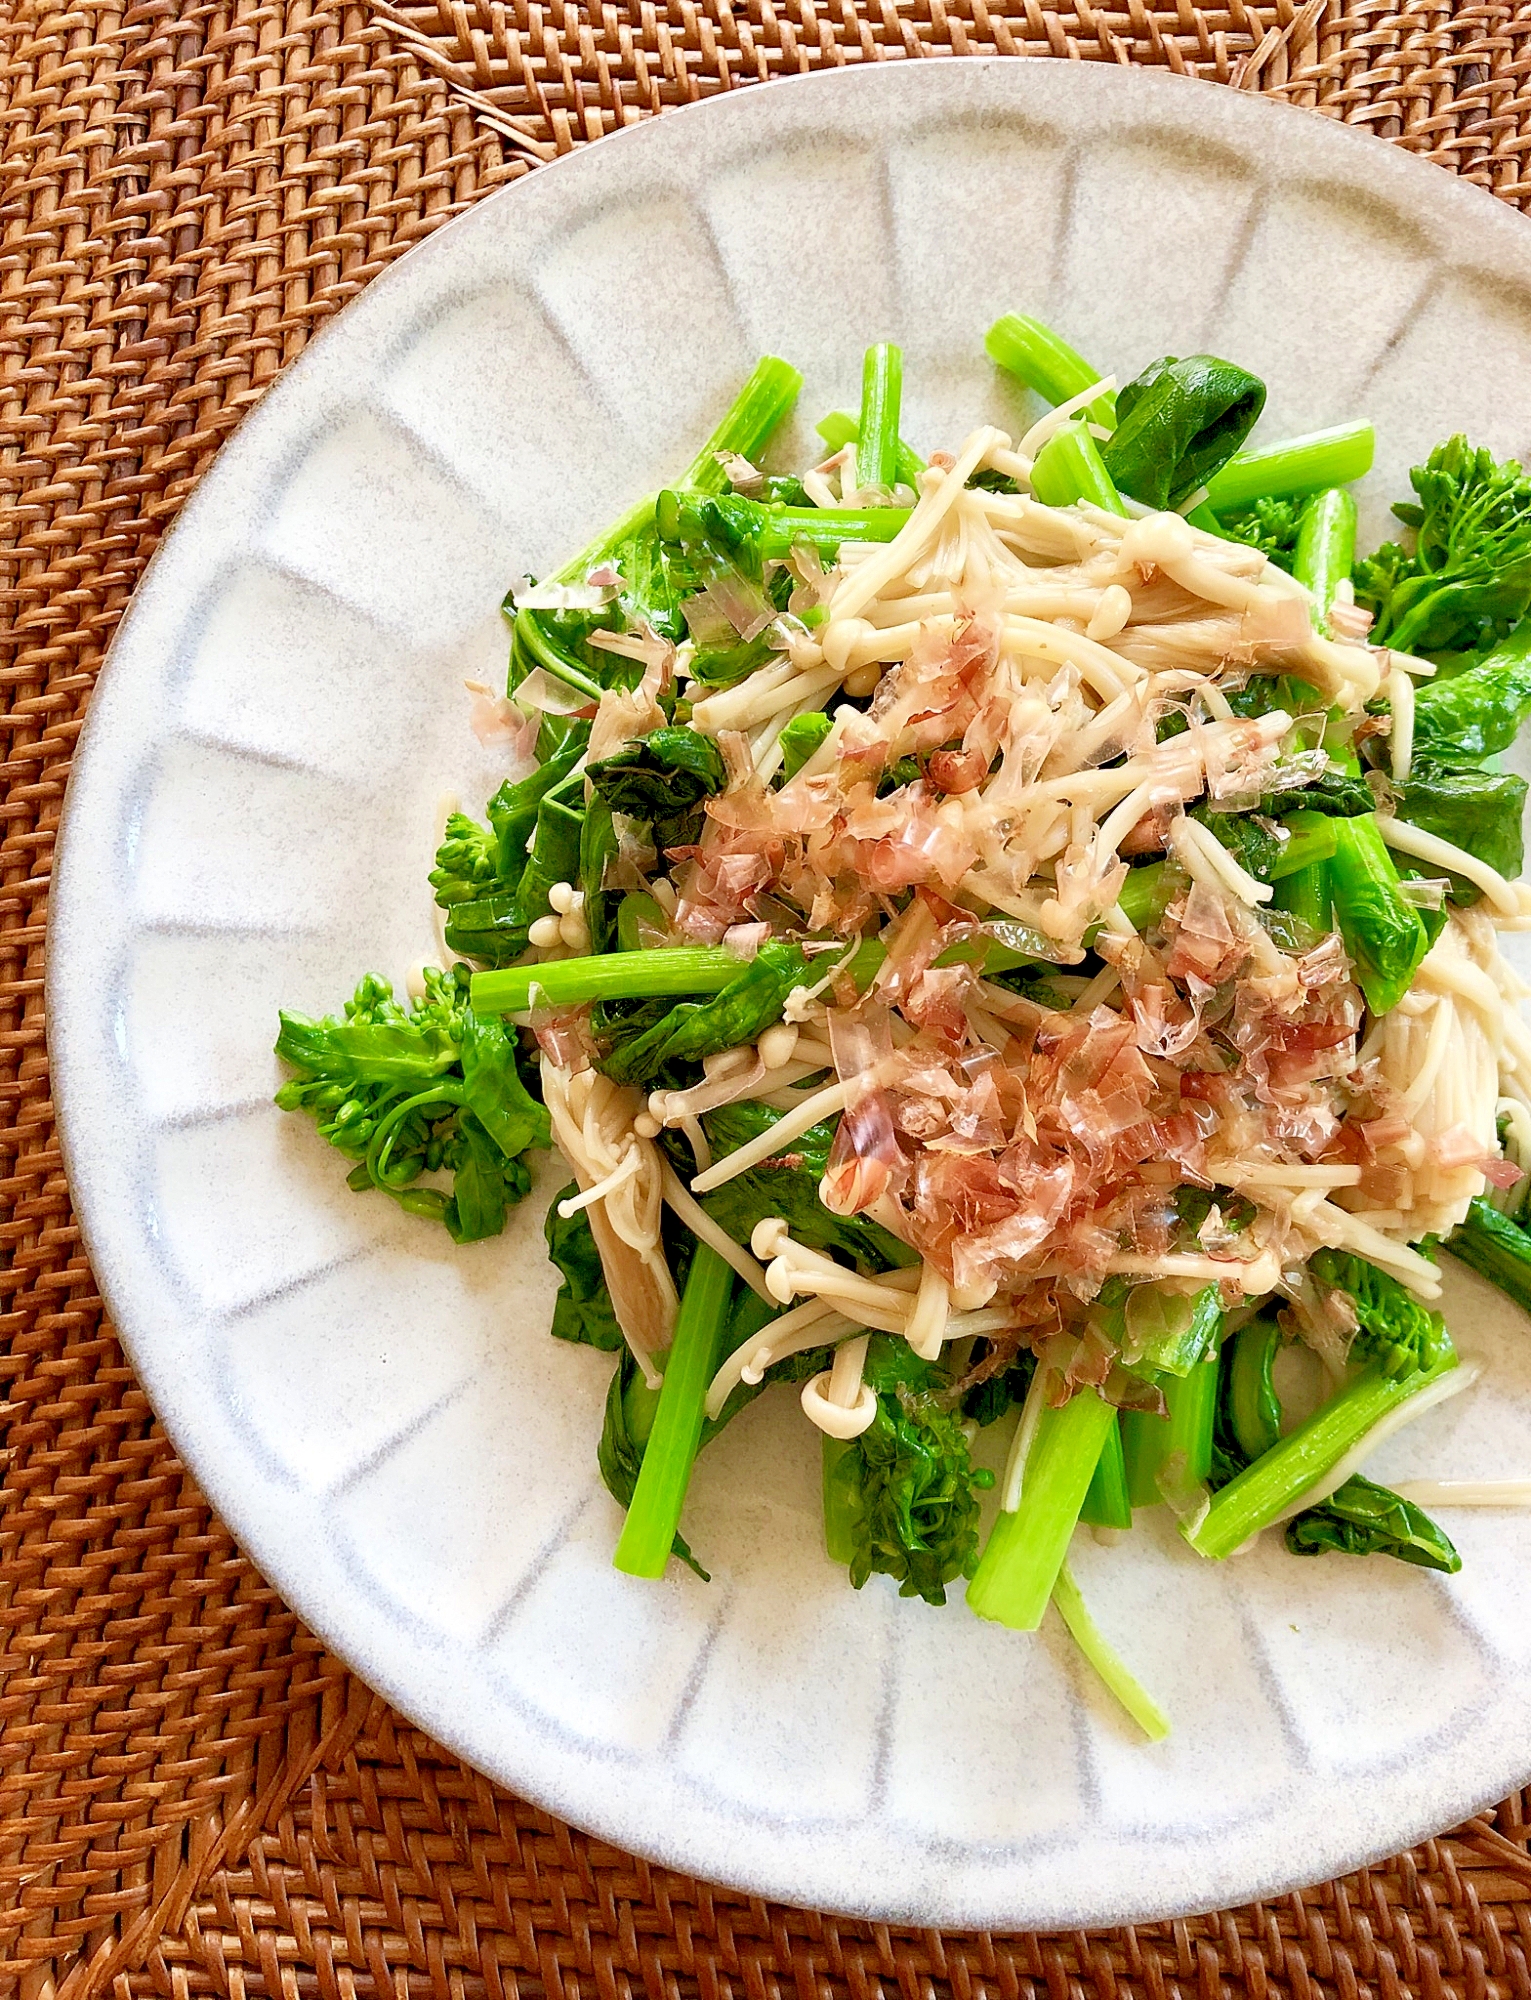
(1001, 939)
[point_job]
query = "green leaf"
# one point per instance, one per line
(693, 1029)
(404, 1094)
(662, 776)
(598, 846)
(906, 1490)
(1363, 1519)
(1468, 580)
(1477, 713)
(1394, 1329)
(552, 857)
(1478, 811)
(801, 737)
(1177, 423)
(493, 1090)
(1497, 1248)
(582, 1310)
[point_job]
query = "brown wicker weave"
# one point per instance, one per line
(194, 1797)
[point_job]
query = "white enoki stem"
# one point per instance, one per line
(822, 1104)
(1465, 1492)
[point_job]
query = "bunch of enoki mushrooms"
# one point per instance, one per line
(1029, 1148)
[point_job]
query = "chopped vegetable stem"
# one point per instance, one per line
(1069, 467)
(1019, 1567)
(648, 1534)
(1114, 1673)
(1295, 465)
(882, 388)
(1024, 347)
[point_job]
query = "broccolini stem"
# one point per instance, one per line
(1025, 1551)
(648, 1534)
(1106, 1504)
(1281, 1476)
(380, 1147)
(1106, 1661)
(760, 406)
(1326, 547)
(1305, 893)
(1497, 1248)
(839, 428)
(1024, 347)
(1296, 465)
(882, 390)
(826, 527)
(629, 975)
(839, 1519)
(1150, 1443)
(1069, 467)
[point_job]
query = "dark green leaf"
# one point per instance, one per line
(1497, 1248)
(906, 1490)
(1178, 423)
(552, 857)
(1363, 1519)
(662, 776)
(582, 1310)
(1479, 712)
(694, 1029)
(1478, 811)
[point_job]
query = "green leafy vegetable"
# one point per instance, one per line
(1497, 1248)
(1393, 1329)
(662, 777)
(903, 1494)
(789, 1187)
(1025, 1550)
(1362, 1519)
(1177, 423)
(405, 1094)
(582, 1310)
(1269, 525)
(1478, 811)
(1383, 933)
(1468, 581)
(750, 1003)
(800, 738)
(478, 870)
(1477, 713)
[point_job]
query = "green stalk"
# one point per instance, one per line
(827, 527)
(1295, 465)
(760, 406)
(1106, 1661)
(1025, 1551)
(1069, 467)
(1326, 547)
(1253, 1409)
(1106, 1504)
(1026, 348)
(1497, 1248)
(882, 389)
(629, 975)
(1305, 893)
(1383, 934)
(1150, 1442)
(1150, 887)
(648, 1534)
(840, 428)
(839, 1515)
(533, 643)
(1282, 1475)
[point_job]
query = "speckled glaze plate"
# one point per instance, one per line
(381, 1418)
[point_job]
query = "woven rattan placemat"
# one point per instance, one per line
(194, 1796)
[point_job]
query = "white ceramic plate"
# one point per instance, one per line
(383, 1419)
